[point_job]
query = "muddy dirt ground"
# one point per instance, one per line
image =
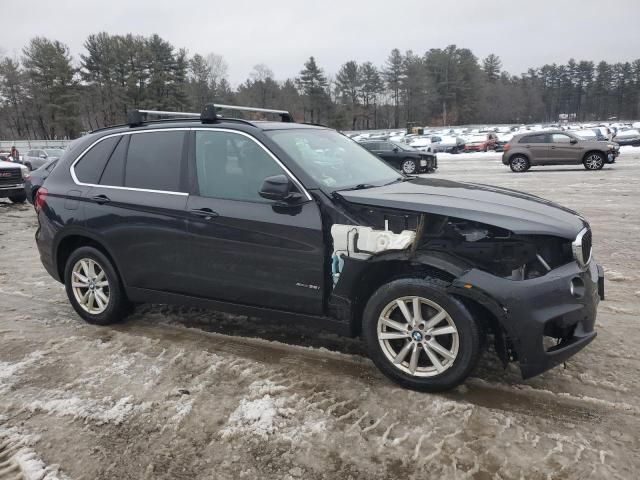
(176, 393)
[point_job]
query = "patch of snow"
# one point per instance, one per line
(266, 412)
(89, 409)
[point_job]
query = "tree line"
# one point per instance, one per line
(46, 93)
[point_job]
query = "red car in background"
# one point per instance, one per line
(482, 142)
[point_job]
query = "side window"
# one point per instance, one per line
(154, 160)
(113, 173)
(369, 145)
(232, 166)
(90, 167)
(560, 138)
(542, 138)
(386, 147)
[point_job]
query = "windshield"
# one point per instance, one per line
(332, 159)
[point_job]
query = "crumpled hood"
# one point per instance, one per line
(518, 212)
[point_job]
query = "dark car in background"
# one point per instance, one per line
(38, 157)
(403, 157)
(557, 147)
(34, 180)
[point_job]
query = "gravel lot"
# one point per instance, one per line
(175, 393)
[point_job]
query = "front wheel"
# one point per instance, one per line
(20, 198)
(419, 336)
(593, 161)
(409, 166)
(93, 287)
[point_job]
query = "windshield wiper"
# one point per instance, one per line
(360, 186)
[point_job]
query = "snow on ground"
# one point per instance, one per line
(183, 393)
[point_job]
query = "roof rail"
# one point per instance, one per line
(209, 113)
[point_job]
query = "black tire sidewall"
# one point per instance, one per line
(118, 304)
(468, 332)
(21, 198)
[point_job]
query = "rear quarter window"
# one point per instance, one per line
(90, 167)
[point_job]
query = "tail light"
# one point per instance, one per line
(507, 147)
(41, 198)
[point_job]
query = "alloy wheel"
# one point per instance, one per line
(90, 286)
(518, 164)
(418, 336)
(409, 166)
(594, 162)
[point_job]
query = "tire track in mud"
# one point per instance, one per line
(9, 467)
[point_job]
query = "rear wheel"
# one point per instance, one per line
(593, 161)
(409, 166)
(94, 288)
(419, 336)
(20, 198)
(519, 163)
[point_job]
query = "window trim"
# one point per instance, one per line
(133, 189)
(291, 176)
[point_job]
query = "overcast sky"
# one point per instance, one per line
(283, 34)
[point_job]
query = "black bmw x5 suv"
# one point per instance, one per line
(300, 223)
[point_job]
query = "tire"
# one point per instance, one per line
(20, 198)
(593, 161)
(519, 164)
(116, 307)
(424, 374)
(409, 166)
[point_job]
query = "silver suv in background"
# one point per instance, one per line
(557, 148)
(38, 157)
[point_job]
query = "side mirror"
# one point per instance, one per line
(395, 150)
(43, 156)
(573, 141)
(278, 188)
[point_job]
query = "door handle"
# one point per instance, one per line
(205, 213)
(101, 199)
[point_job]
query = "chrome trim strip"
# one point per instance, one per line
(276, 159)
(121, 134)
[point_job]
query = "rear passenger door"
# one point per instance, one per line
(243, 248)
(538, 147)
(136, 205)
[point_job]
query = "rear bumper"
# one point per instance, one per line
(533, 312)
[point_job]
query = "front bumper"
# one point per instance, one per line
(11, 190)
(544, 308)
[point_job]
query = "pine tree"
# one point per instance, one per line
(313, 84)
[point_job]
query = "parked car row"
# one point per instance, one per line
(467, 139)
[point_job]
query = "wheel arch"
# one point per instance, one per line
(594, 150)
(74, 240)
(359, 279)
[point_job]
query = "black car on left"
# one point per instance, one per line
(402, 157)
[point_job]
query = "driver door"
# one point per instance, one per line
(243, 248)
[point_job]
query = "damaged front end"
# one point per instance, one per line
(529, 291)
